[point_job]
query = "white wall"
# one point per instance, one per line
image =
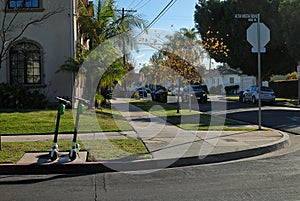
(246, 82)
(54, 37)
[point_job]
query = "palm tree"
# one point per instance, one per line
(106, 24)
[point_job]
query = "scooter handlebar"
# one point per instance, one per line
(82, 100)
(63, 100)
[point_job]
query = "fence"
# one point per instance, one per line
(285, 89)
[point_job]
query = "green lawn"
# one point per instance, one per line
(189, 120)
(43, 121)
(287, 102)
(98, 149)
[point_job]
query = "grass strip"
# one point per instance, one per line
(126, 149)
(189, 120)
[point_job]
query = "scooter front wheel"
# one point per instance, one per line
(53, 155)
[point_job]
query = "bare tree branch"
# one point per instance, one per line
(11, 32)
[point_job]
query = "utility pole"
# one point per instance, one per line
(123, 16)
(124, 49)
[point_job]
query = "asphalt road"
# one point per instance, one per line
(273, 178)
(282, 118)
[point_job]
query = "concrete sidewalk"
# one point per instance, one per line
(169, 145)
(165, 141)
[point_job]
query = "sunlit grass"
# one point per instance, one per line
(188, 120)
(43, 121)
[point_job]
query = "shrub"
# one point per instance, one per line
(19, 97)
(232, 89)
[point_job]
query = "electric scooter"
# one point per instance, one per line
(75, 147)
(53, 154)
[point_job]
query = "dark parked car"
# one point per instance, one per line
(252, 95)
(160, 94)
(142, 91)
(197, 91)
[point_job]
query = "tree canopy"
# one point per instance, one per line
(179, 58)
(215, 21)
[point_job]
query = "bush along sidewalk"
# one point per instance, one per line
(16, 96)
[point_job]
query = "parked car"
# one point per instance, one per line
(142, 91)
(160, 94)
(197, 91)
(252, 95)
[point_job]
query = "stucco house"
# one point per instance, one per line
(226, 76)
(37, 37)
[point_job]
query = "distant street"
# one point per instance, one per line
(277, 117)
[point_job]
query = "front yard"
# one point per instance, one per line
(43, 122)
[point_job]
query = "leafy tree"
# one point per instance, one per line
(106, 24)
(179, 57)
(215, 21)
(73, 64)
(215, 46)
(292, 76)
(290, 12)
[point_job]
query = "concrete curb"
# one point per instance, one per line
(151, 164)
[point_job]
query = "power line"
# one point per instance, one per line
(144, 4)
(170, 4)
(164, 10)
(138, 4)
(131, 3)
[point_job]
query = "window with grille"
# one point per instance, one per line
(13, 4)
(25, 63)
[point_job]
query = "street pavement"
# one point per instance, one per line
(168, 145)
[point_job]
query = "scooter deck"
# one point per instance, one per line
(43, 158)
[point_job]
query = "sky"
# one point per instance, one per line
(179, 15)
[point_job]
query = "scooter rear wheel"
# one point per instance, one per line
(72, 154)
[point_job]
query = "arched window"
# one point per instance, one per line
(25, 63)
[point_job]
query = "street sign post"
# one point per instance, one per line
(258, 35)
(263, 37)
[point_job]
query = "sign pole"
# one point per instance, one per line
(258, 36)
(259, 71)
